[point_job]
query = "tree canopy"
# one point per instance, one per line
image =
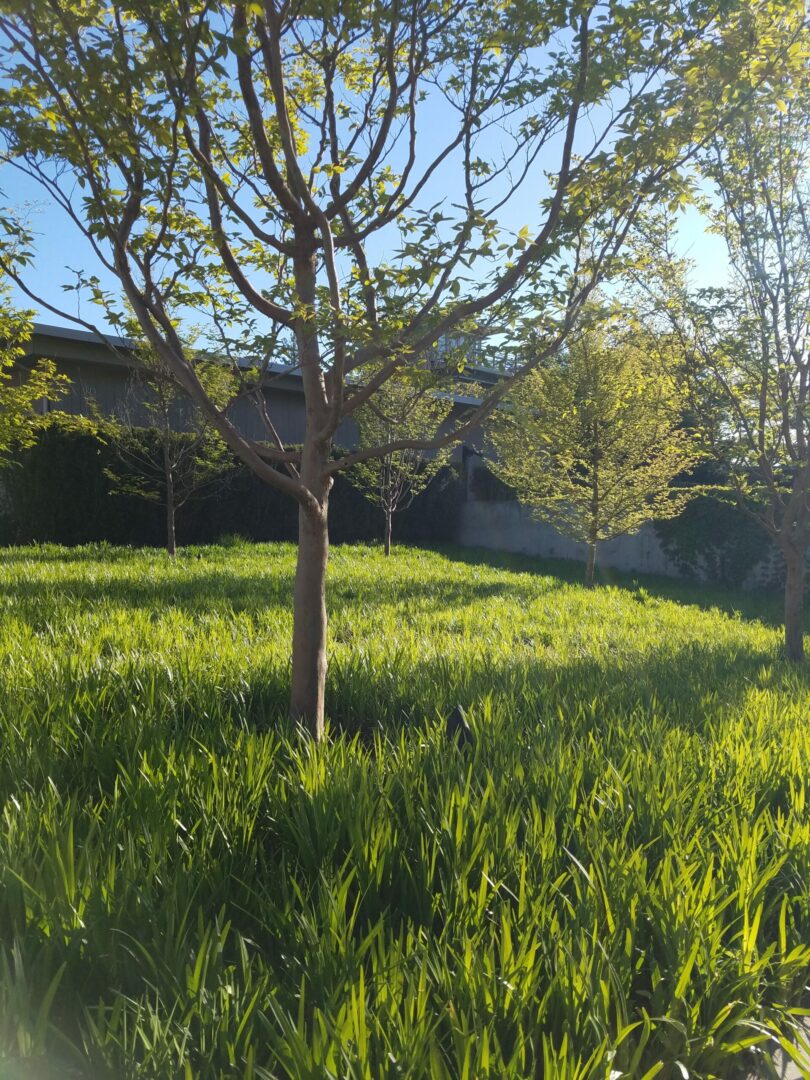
(212, 151)
(593, 441)
(26, 391)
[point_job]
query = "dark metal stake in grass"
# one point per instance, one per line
(457, 729)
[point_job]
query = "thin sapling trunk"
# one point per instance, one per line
(794, 605)
(590, 563)
(171, 535)
(388, 530)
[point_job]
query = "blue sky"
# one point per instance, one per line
(708, 251)
(61, 248)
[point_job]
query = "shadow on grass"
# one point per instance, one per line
(194, 583)
(686, 687)
(198, 587)
(101, 726)
(683, 681)
(763, 605)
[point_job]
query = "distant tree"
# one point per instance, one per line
(25, 392)
(592, 442)
(337, 184)
(405, 410)
(169, 451)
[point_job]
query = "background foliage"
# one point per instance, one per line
(592, 441)
(712, 536)
(24, 388)
(60, 492)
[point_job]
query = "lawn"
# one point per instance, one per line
(613, 881)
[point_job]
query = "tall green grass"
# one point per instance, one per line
(613, 882)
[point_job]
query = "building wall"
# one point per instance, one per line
(101, 379)
(507, 526)
(96, 386)
(502, 524)
(286, 409)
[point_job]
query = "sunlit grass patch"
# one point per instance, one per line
(615, 876)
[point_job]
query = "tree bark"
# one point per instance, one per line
(308, 689)
(590, 564)
(309, 623)
(171, 535)
(794, 605)
(388, 524)
(307, 693)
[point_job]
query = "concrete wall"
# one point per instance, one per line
(507, 526)
(504, 525)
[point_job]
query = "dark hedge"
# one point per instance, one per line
(58, 492)
(713, 537)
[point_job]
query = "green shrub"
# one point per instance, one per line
(714, 539)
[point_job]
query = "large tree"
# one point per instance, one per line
(592, 441)
(345, 183)
(746, 344)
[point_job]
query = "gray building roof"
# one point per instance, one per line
(84, 346)
(98, 366)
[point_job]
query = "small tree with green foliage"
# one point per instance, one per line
(592, 443)
(404, 411)
(169, 452)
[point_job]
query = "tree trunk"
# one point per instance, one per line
(171, 536)
(308, 688)
(590, 564)
(309, 599)
(593, 524)
(794, 605)
(388, 523)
